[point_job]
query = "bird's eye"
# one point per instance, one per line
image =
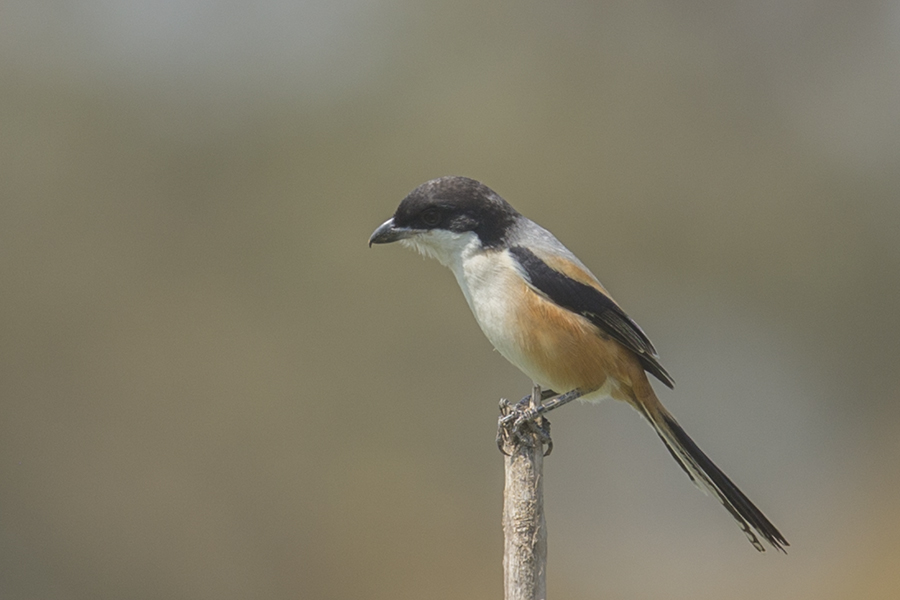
(431, 217)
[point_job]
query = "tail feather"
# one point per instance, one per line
(709, 478)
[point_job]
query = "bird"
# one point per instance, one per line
(545, 312)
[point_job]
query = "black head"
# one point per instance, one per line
(456, 204)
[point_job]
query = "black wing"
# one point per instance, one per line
(594, 305)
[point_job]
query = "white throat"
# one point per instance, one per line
(447, 247)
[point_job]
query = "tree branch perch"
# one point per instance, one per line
(524, 526)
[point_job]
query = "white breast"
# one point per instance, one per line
(491, 283)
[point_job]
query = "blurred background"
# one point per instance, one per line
(211, 388)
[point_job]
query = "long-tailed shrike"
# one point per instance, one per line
(547, 314)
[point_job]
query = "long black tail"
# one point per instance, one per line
(709, 478)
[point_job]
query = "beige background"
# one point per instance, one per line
(211, 388)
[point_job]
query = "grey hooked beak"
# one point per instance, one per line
(388, 233)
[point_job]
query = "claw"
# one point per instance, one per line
(523, 421)
(502, 431)
(543, 431)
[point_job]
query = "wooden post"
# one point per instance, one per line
(524, 527)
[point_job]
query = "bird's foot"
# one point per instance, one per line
(522, 423)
